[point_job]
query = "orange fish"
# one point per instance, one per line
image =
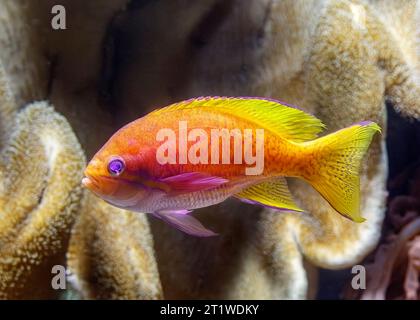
(199, 152)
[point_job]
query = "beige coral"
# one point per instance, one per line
(42, 164)
(110, 256)
(8, 107)
(24, 62)
(41, 167)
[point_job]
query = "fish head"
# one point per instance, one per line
(113, 175)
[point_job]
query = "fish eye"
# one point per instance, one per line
(116, 166)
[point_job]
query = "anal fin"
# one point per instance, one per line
(273, 194)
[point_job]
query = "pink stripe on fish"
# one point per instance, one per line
(193, 181)
(181, 220)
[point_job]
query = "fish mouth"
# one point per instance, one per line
(92, 184)
(99, 185)
(87, 182)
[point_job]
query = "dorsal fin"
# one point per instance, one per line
(288, 122)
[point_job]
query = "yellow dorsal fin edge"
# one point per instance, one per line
(288, 122)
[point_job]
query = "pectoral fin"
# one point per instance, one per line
(181, 220)
(192, 181)
(272, 194)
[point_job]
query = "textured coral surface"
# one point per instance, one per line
(110, 254)
(41, 163)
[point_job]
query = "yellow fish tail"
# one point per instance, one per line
(338, 158)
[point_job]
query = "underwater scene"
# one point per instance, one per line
(211, 149)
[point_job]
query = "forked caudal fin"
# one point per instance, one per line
(337, 166)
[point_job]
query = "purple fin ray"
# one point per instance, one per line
(364, 123)
(181, 220)
(193, 181)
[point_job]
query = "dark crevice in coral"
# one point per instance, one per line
(53, 63)
(403, 145)
(109, 63)
(211, 23)
(112, 58)
(262, 30)
(139, 4)
(330, 283)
